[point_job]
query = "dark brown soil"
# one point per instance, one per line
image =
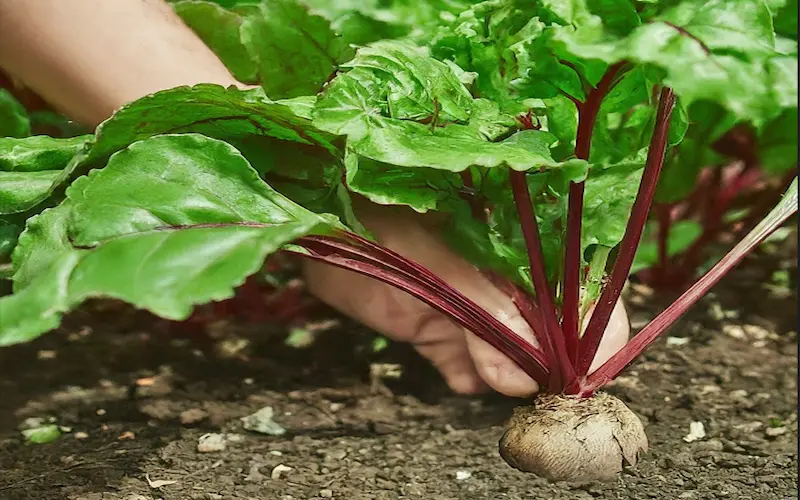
(408, 438)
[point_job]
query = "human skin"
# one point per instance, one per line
(87, 58)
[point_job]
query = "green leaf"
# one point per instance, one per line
(39, 153)
(219, 29)
(504, 42)
(229, 114)
(31, 168)
(350, 106)
(619, 16)
(14, 120)
(42, 435)
(543, 73)
(169, 271)
(608, 199)
(296, 52)
(562, 122)
(422, 189)
(43, 241)
(38, 307)
(413, 145)
(417, 86)
(22, 190)
(198, 223)
(718, 50)
(181, 180)
(382, 19)
(356, 28)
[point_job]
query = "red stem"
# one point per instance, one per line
(587, 118)
(389, 261)
(633, 233)
(611, 368)
(554, 345)
(508, 342)
(572, 272)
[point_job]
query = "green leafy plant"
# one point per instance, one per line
(536, 131)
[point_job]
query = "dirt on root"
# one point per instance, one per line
(134, 400)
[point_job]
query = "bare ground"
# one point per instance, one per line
(733, 368)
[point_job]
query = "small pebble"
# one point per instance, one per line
(326, 493)
(210, 443)
(775, 431)
(677, 341)
(463, 475)
(262, 422)
(697, 431)
(81, 435)
(278, 470)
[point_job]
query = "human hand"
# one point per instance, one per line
(467, 363)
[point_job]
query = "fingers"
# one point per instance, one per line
(496, 370)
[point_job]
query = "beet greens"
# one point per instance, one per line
(539, 132)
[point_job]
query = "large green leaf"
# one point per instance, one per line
(173, 180)
(296, 52)
(229, 114)
(197, 222)
(169, 271)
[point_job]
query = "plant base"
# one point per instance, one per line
(564, 438)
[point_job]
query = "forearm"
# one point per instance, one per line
(89, 57)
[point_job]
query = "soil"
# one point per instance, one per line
(135, 397)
